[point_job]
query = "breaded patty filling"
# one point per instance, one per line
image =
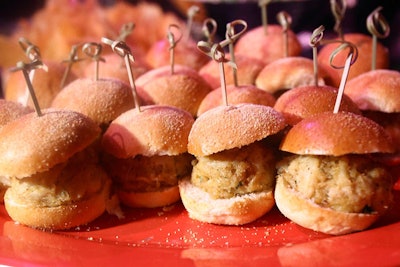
(236, 172)
(350, 183)
(148, 174)
(78, 179)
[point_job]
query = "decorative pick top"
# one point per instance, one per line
(28, 69)
(216, 51)
(123, 50)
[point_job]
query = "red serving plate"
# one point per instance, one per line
(168, 237)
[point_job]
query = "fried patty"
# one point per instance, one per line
(236, 171)
(351, 183)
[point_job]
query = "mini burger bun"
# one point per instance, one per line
(267, 46)
(10, 110)
(59, 217)
(302, 102)
(337, 134)
(236, 95)
(290, 72)
(164, 197)
(363, 63)
(154, 130)
(101, 100)
(232, 211)
(309, 215)
(232, 126)
(184, 88)
(33, 143)
(376, 90)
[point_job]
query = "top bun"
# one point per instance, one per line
(184, 89)
(337, 134)
(302, 102)
(10, 110)
(290, 72)
(236, 95)
(267, 46)
(227, 127)
(33, 143)
(101, 100)
(155, 130)
(377, 90)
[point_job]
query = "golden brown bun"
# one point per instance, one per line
(46, 85)
(35, 143)
(154, 199)
(247, 71)
(58, 217)
(290, 72)
(236, 95)
(101, 100)
(185, 53)
(10, 110)
(302, 102)
(309, 215)
(337, 134)
(231, 211)
(363, 63)
(267, 47)
(227, 127)
(376, 90)
(114, 67)
(184, 89)
(155, 130)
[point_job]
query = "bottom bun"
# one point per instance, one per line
(307, 214)
(58, 217)
(233, 211)
(153, 199)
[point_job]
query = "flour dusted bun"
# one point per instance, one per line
(236, 95)
(155, 130)
(290, 72)
(101, 100)
(232, 211)
(310, 215)
(352, 133)
(227, 127)
(184, 88)
(35, 143)
(10, 110)
(267, 46)
(302, 102)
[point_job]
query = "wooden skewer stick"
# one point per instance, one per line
(285, 20)
(232, 36)
(172, 44)
(26, 69)
(123, 50)
(93, 51)
(378, 26)
(351, 58)
(264, 14)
